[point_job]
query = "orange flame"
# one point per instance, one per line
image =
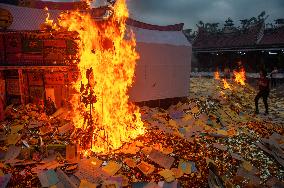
(240, 77)
(226, 84)
(88, 2)
(48, 24)
(104, 48)
(47, 19)
(216, 75)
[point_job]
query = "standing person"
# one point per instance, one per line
(273, 77)
(263, 92)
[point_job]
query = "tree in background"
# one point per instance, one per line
(253, 20)
(200, 24)
(229, 23)
(262, 17)
(210, 27)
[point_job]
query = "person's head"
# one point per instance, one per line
(275, 68)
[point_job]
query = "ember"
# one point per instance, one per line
(111, 58)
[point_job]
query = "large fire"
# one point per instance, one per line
(108, 53)
(240, 76)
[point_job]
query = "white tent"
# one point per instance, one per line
(163, 69)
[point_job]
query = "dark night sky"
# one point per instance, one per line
(163, 12)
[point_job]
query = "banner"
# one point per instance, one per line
(32, 45)
(54, 78)
(54, 43)
(13, 42)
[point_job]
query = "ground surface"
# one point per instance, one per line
(215, 125)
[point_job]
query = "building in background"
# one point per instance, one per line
(255, 45)
(37, 65)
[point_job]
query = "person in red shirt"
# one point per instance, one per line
(263, 85)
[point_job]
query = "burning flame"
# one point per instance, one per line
(47, 19)
(88, 2)
(216, 75)
(48, 24)
(226, 84)
(240, 77)
(105, 47)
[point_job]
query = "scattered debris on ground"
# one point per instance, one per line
(211, 139)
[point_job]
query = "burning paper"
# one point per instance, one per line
(146, 168)
(168, 175)
(240, 77)
(130, 162)
(111, 168)
(161, 159)
(107, 61)
(226, 84)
